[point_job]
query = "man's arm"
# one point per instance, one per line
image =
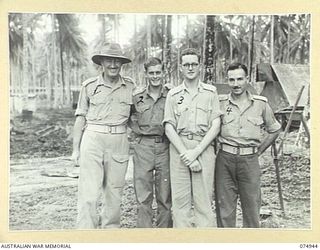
(176, 141)
(174, 138)
(268, 141)
(273, 128)
(77, 135)
(192, 154)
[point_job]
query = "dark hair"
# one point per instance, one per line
(152, 61)
(237, 65)
(190, 51)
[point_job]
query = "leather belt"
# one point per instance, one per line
(238, 150)
(155, 138)
(192, 137)
(106, 129)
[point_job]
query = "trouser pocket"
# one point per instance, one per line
(117, 170)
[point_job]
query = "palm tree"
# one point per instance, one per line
(71, 47)
(210, 50)
(15, 47)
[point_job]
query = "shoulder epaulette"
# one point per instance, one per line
(168, 86)
(88, 81)
(223, 97)
(176, 90)
(128, 79)
(259, 97)
(139, 90)
(209, 87)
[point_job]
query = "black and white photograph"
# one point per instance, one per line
(144, 120)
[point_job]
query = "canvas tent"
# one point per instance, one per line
(282, 84)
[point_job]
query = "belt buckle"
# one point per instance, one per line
(109, 129)
(190, 136)
(238, 150)
(158, 139)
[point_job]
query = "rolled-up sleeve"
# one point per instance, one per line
(169, 112)
(271, 123)
(83, 103)
(216, 111)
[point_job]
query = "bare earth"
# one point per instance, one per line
(43, 183)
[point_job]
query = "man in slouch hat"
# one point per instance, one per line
(100, 144)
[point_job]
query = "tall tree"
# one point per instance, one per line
(210, 49)
(168, 44)
(25, 82)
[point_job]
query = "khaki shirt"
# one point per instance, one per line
(244, 127)
(192, 114)
(105, 104)
(147, 113)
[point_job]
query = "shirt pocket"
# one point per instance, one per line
(143, 114)
(98, 104)
(229, 126)
(125, 103)
(254, 126)
(203, 113)
(227, 120)
(181, 116)
(98, 98)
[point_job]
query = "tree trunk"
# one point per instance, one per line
(62, 93)
(149, 36)
(178, 48)
(168, 49)
(56, 83)
(116, 28)
(258, 40)
(210, 49)
(25, 81)
(49, 83)
(252, 48)
(289, 38)
(187, 32)
(135, 54)
(231, 45)
(68, 87)
(272, 40)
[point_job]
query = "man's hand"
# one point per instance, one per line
(189, 156)
(195, 166)
(75, 157)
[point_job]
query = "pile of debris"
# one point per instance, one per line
(47, 134)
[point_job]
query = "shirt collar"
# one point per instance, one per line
(249, 95)
(102, 82)
(162, 92)
(200, 86)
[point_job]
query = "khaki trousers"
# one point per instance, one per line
(192, 188)
(152, 176)
(103, 165)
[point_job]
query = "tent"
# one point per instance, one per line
(282, 85)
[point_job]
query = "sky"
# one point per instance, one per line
(91, 26)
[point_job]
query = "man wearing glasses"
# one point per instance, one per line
(192, 121)
(100, 141)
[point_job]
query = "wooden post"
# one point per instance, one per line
(279, 151)
(276, 163)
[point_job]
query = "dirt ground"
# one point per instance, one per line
(43, 183)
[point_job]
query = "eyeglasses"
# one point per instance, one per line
(187, 65)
